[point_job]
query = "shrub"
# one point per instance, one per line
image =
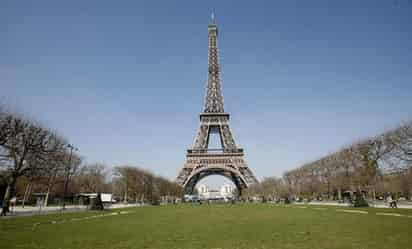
(359, 200)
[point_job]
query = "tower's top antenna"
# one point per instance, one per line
(213, 16)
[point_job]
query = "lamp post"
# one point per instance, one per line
(67, 171)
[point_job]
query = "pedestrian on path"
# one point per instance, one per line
(392, 202)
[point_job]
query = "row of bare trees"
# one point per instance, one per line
(36, 160)
(375, 166)
(138, 185)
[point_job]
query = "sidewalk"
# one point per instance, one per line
(378, 204)
(37, 210)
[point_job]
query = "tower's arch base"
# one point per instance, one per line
(228, 164)
(196, 177)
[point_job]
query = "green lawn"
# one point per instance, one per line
(213, 226)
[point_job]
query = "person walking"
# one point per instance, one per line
(392, 202)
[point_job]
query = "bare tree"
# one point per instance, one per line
(55, 167)
(25, 146)
(72, 166)
(92, 178)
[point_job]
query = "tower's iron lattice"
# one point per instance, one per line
(202, 161)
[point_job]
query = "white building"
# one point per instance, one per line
(227, 190)
(205, 192)
(202, 189)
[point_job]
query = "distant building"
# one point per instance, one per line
(202, 189)
(227, 190)
(212, 195)
(206, 193)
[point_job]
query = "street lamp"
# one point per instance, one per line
(67, 171)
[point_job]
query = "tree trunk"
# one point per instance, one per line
(26, 193)
(125, 197)
(328, 190)
(46, 199)
(339, 194)
(6, 203)
(10, 192)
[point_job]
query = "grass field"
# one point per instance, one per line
(214, 226)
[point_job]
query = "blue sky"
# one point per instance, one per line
(125, 80)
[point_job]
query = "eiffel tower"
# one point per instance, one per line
(202, 161)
